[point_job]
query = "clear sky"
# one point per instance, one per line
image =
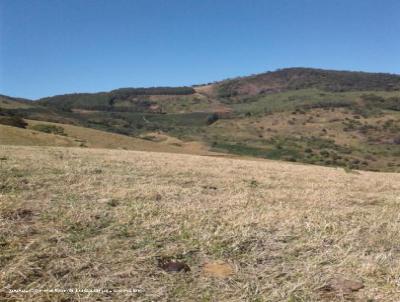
(52, 47)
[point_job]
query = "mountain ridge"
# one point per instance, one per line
(251, 76)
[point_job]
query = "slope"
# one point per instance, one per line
(39, 133)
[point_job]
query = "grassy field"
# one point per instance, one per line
(39, 133)
(242, 230)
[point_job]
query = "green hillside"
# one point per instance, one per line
(334, 118)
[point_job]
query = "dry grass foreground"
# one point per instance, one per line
(103, 219)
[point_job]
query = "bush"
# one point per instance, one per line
(393, 103)
(14, 121)
(374, 101)
(324, 153)
(49, 129)
(212, 118)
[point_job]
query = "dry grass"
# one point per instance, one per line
(94, 218)
(76, 136)
(26, 137)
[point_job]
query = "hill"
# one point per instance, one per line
(303, 78)
(238, 230)
(122, 99)
(324, 117)
(7, 102)
(39, 133)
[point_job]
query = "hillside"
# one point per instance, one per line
(324, 117)
(7, 102)
(39, 133)
(304, 78)
(237, 230)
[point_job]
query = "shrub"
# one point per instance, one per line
(324, 153)
(393, 103)
(49, 129)
(14, 121)
(212, 118)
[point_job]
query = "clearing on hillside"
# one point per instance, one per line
(173, 227)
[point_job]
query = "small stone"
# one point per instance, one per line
(343, 285)
(219, 269)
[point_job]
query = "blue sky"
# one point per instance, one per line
(50, 47)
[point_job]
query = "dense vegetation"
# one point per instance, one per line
(49, 129)
(126, 92)
(107, 101)
(14, 121)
